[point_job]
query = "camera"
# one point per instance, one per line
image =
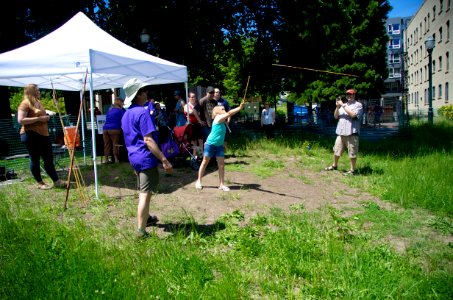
(339, 99)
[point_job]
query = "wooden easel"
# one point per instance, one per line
(70, 143)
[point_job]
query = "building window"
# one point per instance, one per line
(434, 66)
(394, 43)
(440, 63)
(440, 91)
(394, 72)
(447, 62)
(448, 30)
(427, 28)
(446, 93)
(426, 97)
(448, 4)
(394, 58)
(441, 6)
(434, 92)
(394, 29)
(434, 12)
(440, 34)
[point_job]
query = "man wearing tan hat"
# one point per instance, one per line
(348, 129)
(140, 137)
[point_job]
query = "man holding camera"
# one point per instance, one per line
(349, 117)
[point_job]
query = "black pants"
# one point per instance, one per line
(39, 146)
(269, 130)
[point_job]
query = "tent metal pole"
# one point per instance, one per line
(187, 100)
(83, 127)
(93, 136)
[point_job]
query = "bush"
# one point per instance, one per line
(446, 111)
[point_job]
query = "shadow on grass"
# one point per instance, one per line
(186, 229)
(123, 176)
(257, 187)
(367, 170)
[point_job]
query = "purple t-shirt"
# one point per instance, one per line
(113, 118)
(136, 123)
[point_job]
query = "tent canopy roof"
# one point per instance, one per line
(62, 58)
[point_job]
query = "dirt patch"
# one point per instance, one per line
(250, 193)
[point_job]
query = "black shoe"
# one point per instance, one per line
(152, 221)
(142, 234)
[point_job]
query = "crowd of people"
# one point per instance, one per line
(145, 123)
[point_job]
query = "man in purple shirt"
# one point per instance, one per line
(349, 116)
(140, 137)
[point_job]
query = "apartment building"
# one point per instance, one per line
(433, 19)
(395, 82)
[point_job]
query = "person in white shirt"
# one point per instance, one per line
(349, 117)
(268, 120)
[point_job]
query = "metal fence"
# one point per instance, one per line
(13, 154)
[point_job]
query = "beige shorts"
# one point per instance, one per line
(350, 142)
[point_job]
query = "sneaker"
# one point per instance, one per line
(152, 220)
(224, 188)
(198, 185)
(142, 234)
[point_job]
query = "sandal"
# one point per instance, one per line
(330, 168)
(224, 188)
(349, 172)
(44, 187)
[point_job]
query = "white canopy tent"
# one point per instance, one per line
(63, 58)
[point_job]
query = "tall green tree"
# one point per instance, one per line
(224, 42)
(345, 36)
(26, 21)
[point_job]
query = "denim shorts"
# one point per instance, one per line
(213, 151)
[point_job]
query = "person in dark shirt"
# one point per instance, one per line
(111, 132)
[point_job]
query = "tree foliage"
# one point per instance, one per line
(224, 42)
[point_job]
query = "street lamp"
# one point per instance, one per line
(429, 44)
(144, 36)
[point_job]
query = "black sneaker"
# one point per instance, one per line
(152, 220)
(142, 234)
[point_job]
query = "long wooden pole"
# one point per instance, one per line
(246, 87)
(315, 70)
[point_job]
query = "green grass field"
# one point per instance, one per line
(405, 252)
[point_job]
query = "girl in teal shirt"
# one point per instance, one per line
(214, 144)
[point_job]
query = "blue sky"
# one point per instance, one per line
(404, 8)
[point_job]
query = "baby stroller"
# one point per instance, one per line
(183, 136)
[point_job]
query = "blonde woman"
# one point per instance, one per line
(214, 145)
(34, 134)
